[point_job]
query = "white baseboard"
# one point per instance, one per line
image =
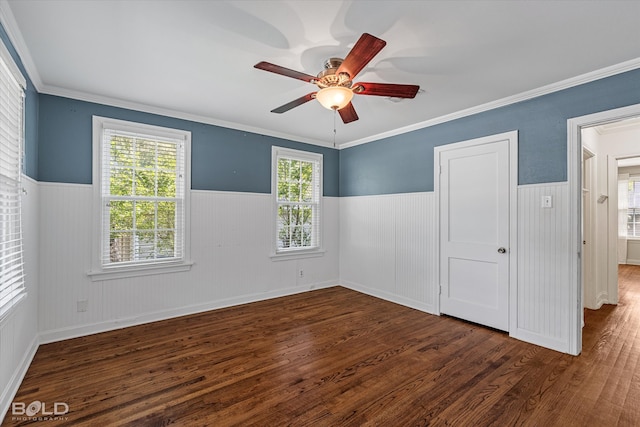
(407, 302)
(541, 340)
(10, 390)
(95, 328)
(602, 298)
(633, 261)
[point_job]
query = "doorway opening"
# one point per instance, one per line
(596, 143)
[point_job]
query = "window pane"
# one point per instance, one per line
(296, 236)
(295, 171)
(306, 235)
(294, 192)
(284, 220)
(284, 216)
(145, 246)
(145, 216)
(283, 191)
(166, 244)
(166, 215)
(121, 151)
(121, 247)
(120, 215)
(166, 184)
(145, 154)
(633, 222)
(145, 183)
(307, 192)
(307, 215)
(283, 169)
(167, 156)
(634, 194)
(121, 182)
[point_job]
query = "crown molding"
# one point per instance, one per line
(523, 96)
(166, 112)
(10, 25)
(534, 93)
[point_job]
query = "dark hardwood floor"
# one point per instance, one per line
(335, 357)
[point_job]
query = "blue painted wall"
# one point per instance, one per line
(221, 159)
(30, 165)
(404, 163)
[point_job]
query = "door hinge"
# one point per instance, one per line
(440, 289)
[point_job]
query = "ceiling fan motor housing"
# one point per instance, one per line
(329, 78)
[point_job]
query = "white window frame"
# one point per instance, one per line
(12, 284)
(632, 178)
(302, 252)
(108, 272)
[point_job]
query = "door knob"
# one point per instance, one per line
(501, 250)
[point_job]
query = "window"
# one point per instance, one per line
(12, 85)
(142, 185)
(633, 209)
(297, 190)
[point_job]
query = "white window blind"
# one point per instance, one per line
(142, 198)
(12, 287)
(298, 192)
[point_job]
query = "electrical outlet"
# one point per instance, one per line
(82, 305)
(301, 273)
(547, 201)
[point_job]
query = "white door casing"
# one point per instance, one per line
(476, 203)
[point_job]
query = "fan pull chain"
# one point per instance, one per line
(335, 111)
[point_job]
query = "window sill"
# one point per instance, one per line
(138, 270)
(284, 256)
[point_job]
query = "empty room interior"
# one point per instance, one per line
(319, 213)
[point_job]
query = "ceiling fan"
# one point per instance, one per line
(336, 80)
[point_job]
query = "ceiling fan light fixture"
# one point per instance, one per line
(334, 97)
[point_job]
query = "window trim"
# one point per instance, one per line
(99, 272)
(276, 153)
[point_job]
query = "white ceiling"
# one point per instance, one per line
(194, 59)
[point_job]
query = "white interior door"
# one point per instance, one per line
(474, 188)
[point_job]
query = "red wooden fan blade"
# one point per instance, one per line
(386, 89)
(267, 66)
(296, 102)
(362, 52)
(348, 114)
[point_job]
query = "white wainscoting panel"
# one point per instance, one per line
(19, 331)
(231, 235)
(543, 266)
(387, 247)
(633, 252)
(65, 257)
